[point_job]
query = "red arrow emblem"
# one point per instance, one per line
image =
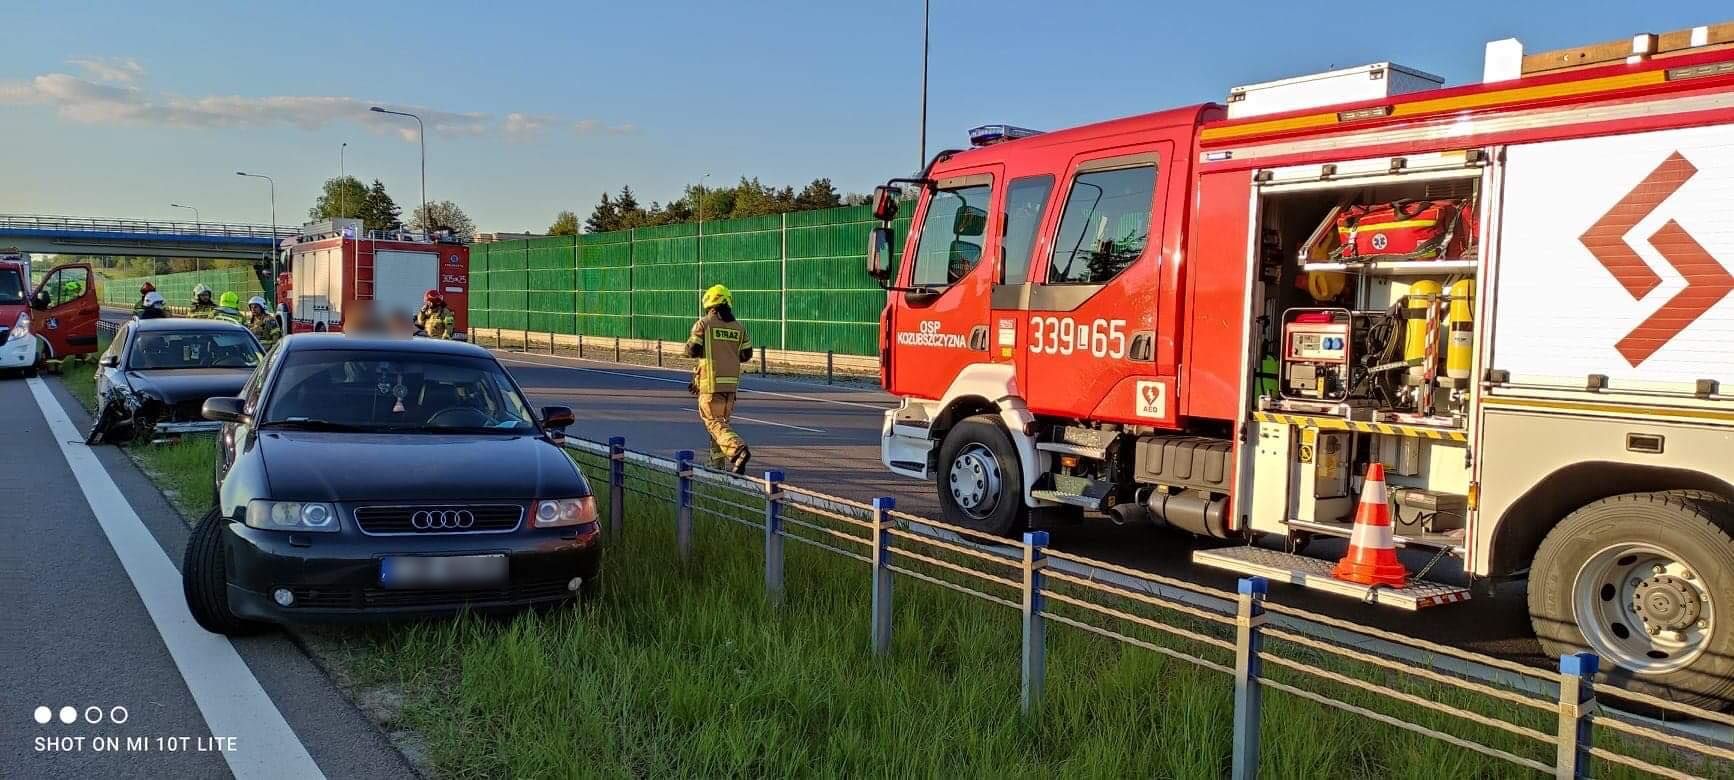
(1707, 281)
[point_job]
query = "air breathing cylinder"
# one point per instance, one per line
(1418, 305)
(1460, 321)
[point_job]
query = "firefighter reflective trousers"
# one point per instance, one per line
(714, 410)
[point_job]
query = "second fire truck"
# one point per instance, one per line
(1514, 295)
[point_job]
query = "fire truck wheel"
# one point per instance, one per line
(980, 480)
(206, 583)
(1646, 581)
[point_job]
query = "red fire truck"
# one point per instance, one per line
(1514, 295)
(335, 262)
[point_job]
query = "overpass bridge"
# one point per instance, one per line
(51, 234)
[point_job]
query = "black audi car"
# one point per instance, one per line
(154, 379)
(366, 478)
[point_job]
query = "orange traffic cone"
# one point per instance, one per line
(1372, 557)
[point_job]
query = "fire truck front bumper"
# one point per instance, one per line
(905, 446)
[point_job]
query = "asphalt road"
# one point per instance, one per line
(78, 629)
(827, 438)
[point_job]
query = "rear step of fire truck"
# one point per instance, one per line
(1315, 574)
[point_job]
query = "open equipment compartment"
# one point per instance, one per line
(1364, 311)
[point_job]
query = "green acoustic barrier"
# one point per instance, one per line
(645, 283)
(549, 280)
(605, 326)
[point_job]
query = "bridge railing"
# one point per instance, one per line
(144, 226)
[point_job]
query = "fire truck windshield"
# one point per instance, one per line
(11, 288)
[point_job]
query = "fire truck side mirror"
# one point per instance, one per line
(879, 254)
(885, 203)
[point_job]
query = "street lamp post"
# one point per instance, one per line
(700, 244)
(342, 182)
(196, 221)
(925, 13)
(421, 132)
(274, 237)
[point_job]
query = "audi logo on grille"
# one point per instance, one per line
(442, 519)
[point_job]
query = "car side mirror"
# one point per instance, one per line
(558, 417)
(969, 221)
(39, 301)
(885, 203)
(109, 361)
(879, 254)
(222, 409)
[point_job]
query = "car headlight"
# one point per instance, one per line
(565, 511)
(21, 328)
(291, 515)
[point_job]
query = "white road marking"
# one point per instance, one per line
(682, 382)
(229, 696)
(763, 422)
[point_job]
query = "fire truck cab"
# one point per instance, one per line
(335, 263)
(1513, 295)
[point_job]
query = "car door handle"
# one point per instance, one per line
(978, 338)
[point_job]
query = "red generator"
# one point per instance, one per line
(335, 262)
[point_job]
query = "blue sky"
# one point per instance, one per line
(540, 106)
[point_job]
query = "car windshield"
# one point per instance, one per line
(11, 288)
(193, 349)
(354, 390)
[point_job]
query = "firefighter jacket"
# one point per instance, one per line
(720, 347)
(265, 329)
(437, 323)
(203, 311)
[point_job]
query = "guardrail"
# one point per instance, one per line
(154, 227)
(828, 364)
(1551, 722)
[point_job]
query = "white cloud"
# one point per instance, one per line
(88, 101)
(115, 69)
(520, 125)
(595, 126)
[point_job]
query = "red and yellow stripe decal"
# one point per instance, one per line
(1447, 104)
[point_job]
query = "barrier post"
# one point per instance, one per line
(774, 536)
(580, 346)
(1577, 704)
(1248, 642)
(683, 504)
(1035, 657)
(882, 507)
(830, 367)
(617, 349)
(764, 357)
(616, 486)
(659, 353)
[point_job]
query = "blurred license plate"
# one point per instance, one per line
(454, 571)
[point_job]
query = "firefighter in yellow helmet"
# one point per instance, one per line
(720, 343)
(229, 309)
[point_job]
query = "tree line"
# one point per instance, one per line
(749, 198)
(345, 197)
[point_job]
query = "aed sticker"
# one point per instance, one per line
(1152, 400)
